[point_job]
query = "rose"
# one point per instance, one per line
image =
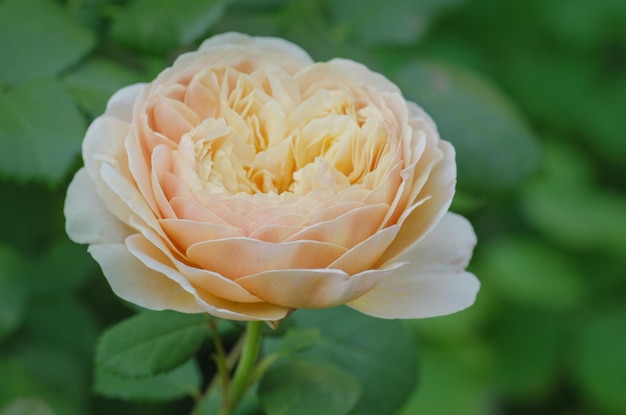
(246, 181)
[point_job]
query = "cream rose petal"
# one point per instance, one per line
(131, 280)
(121, 104)
(433, 282)
(87, 219)
(285, 52)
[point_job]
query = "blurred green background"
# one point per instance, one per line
(531, 92)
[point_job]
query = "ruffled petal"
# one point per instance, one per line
(312, 288)
(215, 305)
(121, 104)
(433, 282)
(132, 281)
(87, 220)
(239, 257)
(432, 203)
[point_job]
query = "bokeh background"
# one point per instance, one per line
(531, 92)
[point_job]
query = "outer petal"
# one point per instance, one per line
(312, 288)
(87, 220)
(134, 282)
(239, 257)
(265, 45)
(434, 282)
(150, 256)
(432, 204)
(204, 279)
(121, 104)
(348, 73)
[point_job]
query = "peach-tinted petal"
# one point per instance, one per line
(238, 257)
(154, 259)
(87, 219)
(191, 210)
(131, 280)
(364, 255)
(433, 282)
(435, 199)
(139, 169)
(311, 288)
(133, 202)
(348, 229)
(209, 281)
(185, 233)
(275, 233)
(173, 118)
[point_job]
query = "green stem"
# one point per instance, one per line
(242, 378)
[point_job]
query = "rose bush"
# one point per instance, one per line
(247, 181)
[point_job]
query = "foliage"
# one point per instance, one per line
(532, 95)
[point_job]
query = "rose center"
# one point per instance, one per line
(248, 141)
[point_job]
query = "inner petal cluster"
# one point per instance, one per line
(234, 132)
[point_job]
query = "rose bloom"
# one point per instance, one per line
(247, 181)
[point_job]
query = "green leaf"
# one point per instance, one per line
(27, 406)
(40, 132)
(297, 387)
(529, 271)
(526, 350)
(602, 120)
(296, 340)
(47, 323)
(39, 370)
(583, 219)
(94, 82)
(380, 353)
(161, 25)
(13, 291)
(38, 39)
(452, 381)
(185, 380)
(258, 4)
(495, 149)
(392, 21)
(23, 223)
(63, 269)
(151, 343)
(550, 93)
(599, 358)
